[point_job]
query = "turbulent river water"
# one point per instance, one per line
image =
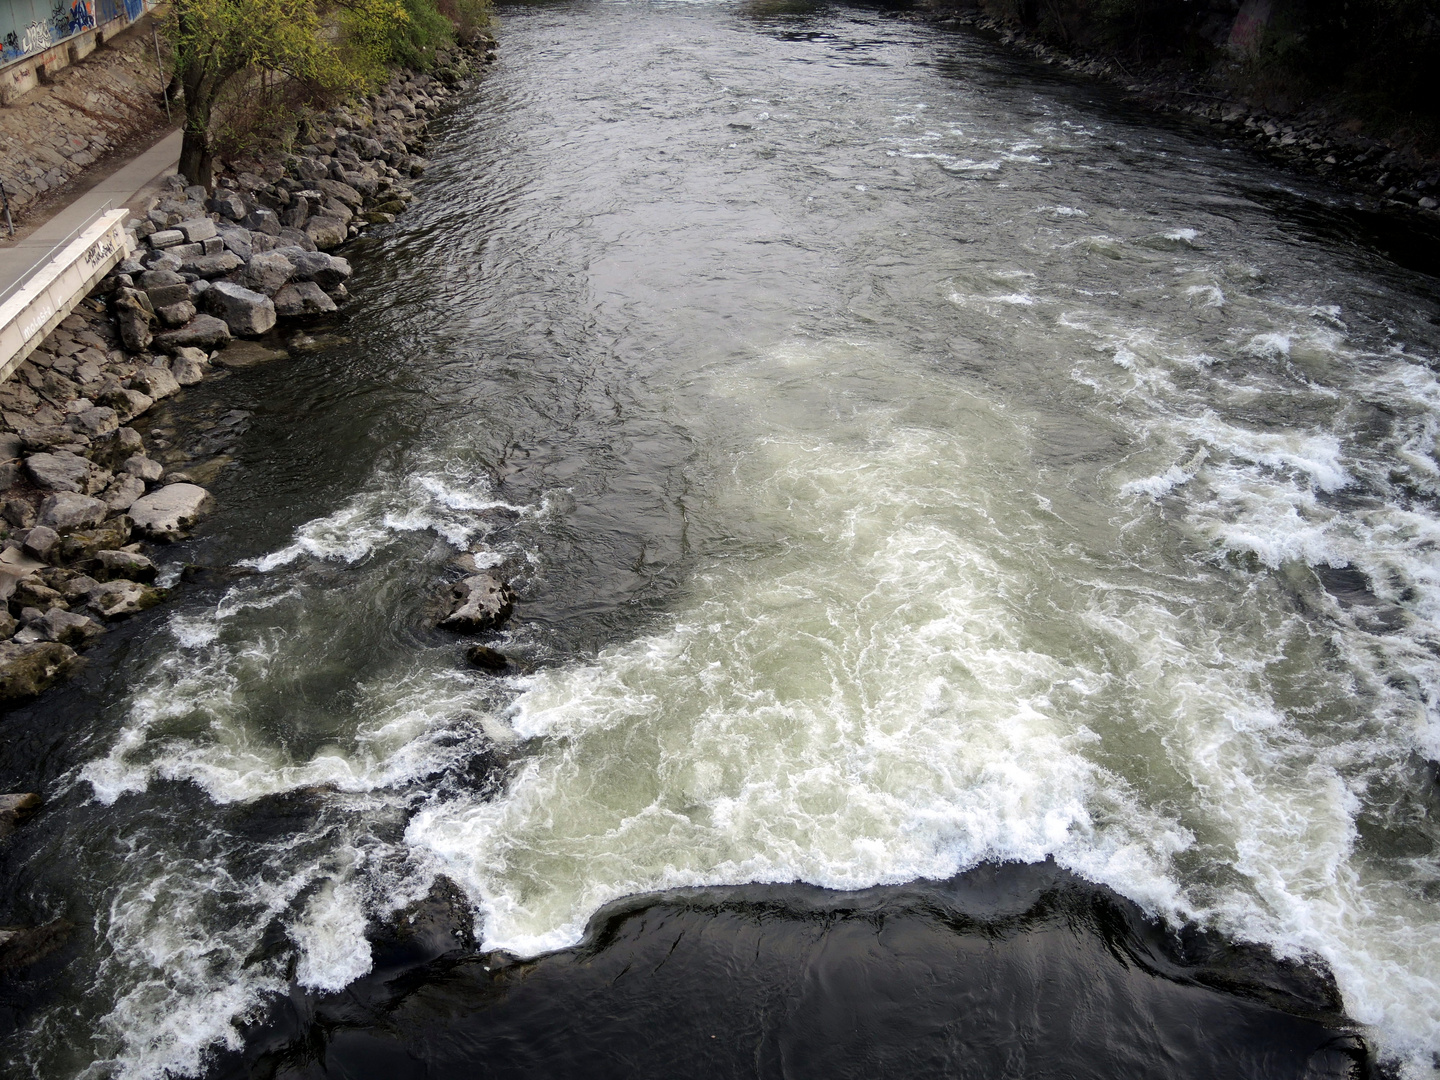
(907, 460)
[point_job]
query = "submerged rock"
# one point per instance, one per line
(479, 602)
(15, 809)
(486, 658)
(23, 945)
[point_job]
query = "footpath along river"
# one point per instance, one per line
(906, 460)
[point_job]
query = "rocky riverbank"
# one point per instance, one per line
(1394, 175)
(213, 278)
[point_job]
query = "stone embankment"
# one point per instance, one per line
(86, 504)
(1397, 177)
(56, 134)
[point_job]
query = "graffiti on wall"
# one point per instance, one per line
(31, 26)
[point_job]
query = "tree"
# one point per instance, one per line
(217, 43)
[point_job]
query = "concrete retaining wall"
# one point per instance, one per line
(37, 307)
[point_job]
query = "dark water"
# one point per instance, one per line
(909, 463)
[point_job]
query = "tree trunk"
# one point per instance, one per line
(195, 155)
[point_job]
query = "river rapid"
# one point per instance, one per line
(907, 460)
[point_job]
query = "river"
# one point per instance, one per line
(908, 460)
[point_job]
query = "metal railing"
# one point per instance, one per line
(44, 260)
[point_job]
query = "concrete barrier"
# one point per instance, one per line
(36, 306)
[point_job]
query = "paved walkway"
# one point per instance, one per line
(127, 186)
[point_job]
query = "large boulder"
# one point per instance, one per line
(169, 512)
(326, 232)
(246, 313)
(154, 381)
(28, 669)
(82, 545)
(119, 599)
(66, 511)
(211, 266)
(15, 809)
(202, 332)
(302, 298)
(189, 366)
(59, 471)
(340, 191)
(478, 602)
(198, 229)
(324, 269)
(266, 273)
(126, 402)
(130, 565)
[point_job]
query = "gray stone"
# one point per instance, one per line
(167, 513)
(246, 313)
(228, 204)
(324, 269)
(159, 279)
(486, 658)
(95, 421)
(27, 670)
(122, 492)
(40, 541)
(237, 240)
(130, 565)
(479, 602)
(302, 298)
(127, 403)
(78, 587)
(266, 273)
(15, 809)
(212, 266)
(144, 468)
(197, 229)
(170, 293)
(154, 380)
(59, 471)
(296, 238)
(135, 323)
(189, 369)
(66, 511)
(202, 332)
(340, 191)
(120, 599)
(173, 315)
(326, 232)
(166, 238)
(262, 220)
(186, 252)
(67, 627)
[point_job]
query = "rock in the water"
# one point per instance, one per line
(15, 809)
(130, 565)
(202, 332)
(478, 602)
(244, 354)
(127, 403)
(189, 366)
(302, 298)
(119, 599)
(166, 514)
(325, 270)
(147, 469)
(67, 628)
(246, 313)
(154, 381)
(66, 511)
(24, 945)
(27, 670)
(486, 658)
(326, 232)
(60, 471)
